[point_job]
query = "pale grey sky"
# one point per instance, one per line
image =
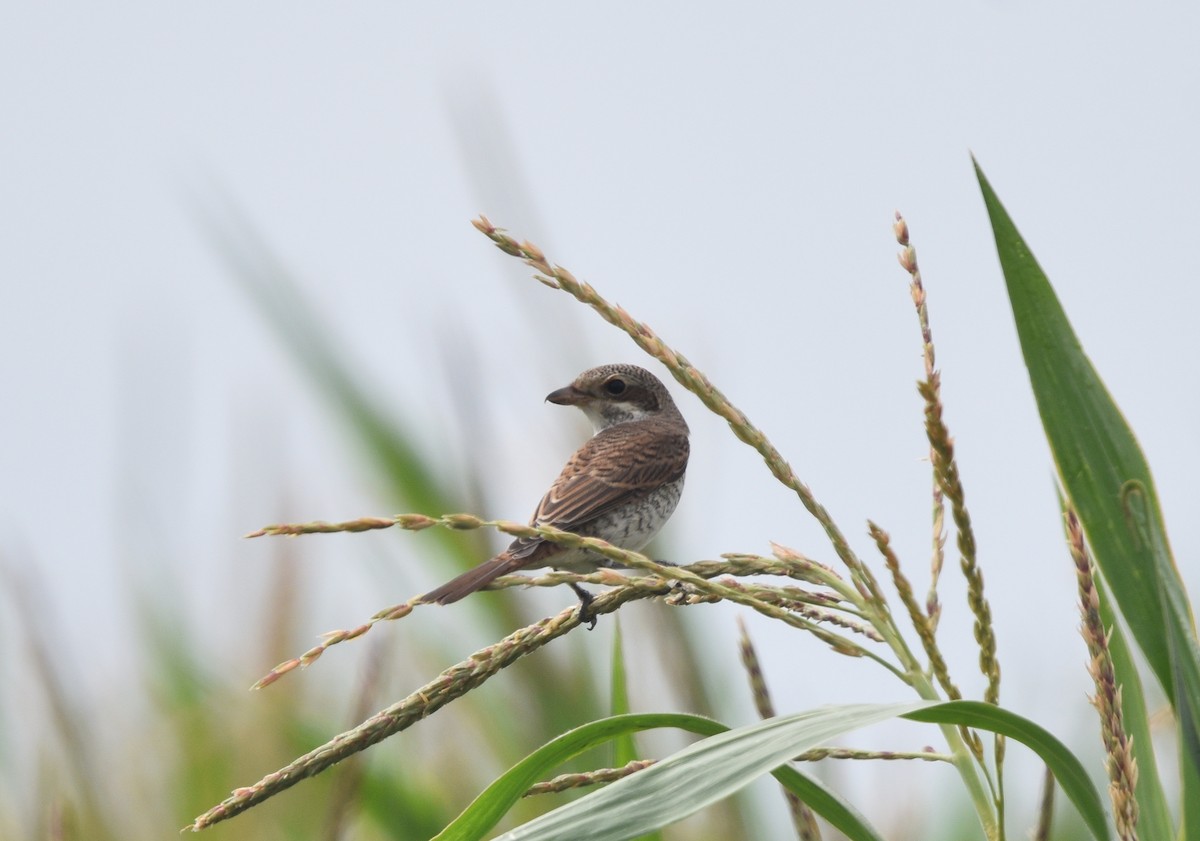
(727, 174)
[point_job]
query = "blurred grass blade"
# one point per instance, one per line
(624, 746)
(1189, 820)
(393, 451)
(1105, 476)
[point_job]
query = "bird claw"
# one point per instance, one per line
(586, 617)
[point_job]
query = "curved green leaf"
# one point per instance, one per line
(717, 766)
(1062, 763)
(498, 798)
(826, 803)
(494, 802)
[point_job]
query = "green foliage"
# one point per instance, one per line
(1107, 480)
(206, 735)
(1097, 468)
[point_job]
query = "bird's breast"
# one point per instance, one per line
(629, 526)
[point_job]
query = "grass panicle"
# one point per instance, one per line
(948, 485)
(695, 586)
(1045, 818)
(947, 471)
(924, 628)
(922, 623)
(927, 755)
(566, 782)
(908, 261)
(449, 685)
(803, 818)
(1118, 746)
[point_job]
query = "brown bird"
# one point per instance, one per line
(621, 486)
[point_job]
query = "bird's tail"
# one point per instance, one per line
(474, 579)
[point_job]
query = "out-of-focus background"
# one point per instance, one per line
(203, 209)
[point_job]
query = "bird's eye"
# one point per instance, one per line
(615, 386)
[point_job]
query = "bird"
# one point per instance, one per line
(621, 486)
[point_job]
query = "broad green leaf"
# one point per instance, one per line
(498, 798)
(715, 767)
(1105, 475)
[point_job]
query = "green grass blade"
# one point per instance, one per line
(1105, 475)
(1189, 829)
(828, 804)
(393, 451)
(1185, 657)
(1182, 645)
(624, 747)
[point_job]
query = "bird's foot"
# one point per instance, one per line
(586, 617)
(680, 593)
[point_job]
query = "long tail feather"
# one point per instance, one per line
(474, 579)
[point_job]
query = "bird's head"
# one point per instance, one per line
(613, 394)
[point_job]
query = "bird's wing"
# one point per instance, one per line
(616, 466)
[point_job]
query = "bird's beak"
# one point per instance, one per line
(569, 396)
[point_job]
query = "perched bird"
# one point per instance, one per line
(621, 486)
